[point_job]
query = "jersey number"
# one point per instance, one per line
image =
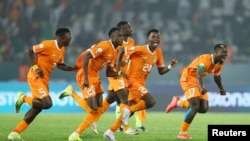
(191, 92)
(122, 84)
(90, 91)
(42, 92)
(147, 68)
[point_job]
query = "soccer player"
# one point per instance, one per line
(140, 115)
(193, 87)
(117, 89)
(126, 28)
(49, 53)
(89, 64)
(142, 59)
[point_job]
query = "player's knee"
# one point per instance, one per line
(150, 103)
(203, 110)
(37, 103)
(47, 105)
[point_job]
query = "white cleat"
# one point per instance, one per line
(109, 135)
(130, 131)
(94, 128)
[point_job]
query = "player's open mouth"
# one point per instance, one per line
(223, 59)
(156, 43)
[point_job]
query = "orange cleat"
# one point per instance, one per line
(184, 136)
(173, 104)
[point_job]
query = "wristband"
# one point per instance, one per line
(35, 67)
(169, 66)
(119, 73)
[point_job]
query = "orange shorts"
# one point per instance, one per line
(116, 84)
(136, 91)
(95, 87)
(191, 90)
(39, 88)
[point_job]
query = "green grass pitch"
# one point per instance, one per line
(159, 125)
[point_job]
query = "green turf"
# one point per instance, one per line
(160, 126)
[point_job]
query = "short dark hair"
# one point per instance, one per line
(219, 46)
(113, 29)
(152, 30)
(61, 31)
(122, 23)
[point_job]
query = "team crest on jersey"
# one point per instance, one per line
(40, 45)
(132, 48)
(99, 50)
(155, 59)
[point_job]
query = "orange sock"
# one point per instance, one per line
(21, 126)
(101, 110)
(139, 106)
(105, 105)
(117, 124)
(80, 101)
(88, 120)
(28, 100)
(184, 104)
(184, 126)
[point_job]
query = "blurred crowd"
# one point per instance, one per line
(188, 27)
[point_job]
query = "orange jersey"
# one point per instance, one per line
(189, 72)
(129, 42)
(48, 54)
(141, 62)
(116, 84)
(125, 59)
(102, 53)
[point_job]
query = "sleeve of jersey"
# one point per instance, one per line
(40, 48)
(98, 49)
(203, 63)
(131, 50)
(160, 60)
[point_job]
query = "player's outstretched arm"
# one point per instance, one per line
(163, 70)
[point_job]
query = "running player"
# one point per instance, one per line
(89, 64)
(49, 53)
(193, 87)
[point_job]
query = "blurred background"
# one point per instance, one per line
(188, 28)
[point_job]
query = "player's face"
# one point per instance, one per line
(117, 38)
(154, 39)
(220, 55)
(65, 39)
(127, 30)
